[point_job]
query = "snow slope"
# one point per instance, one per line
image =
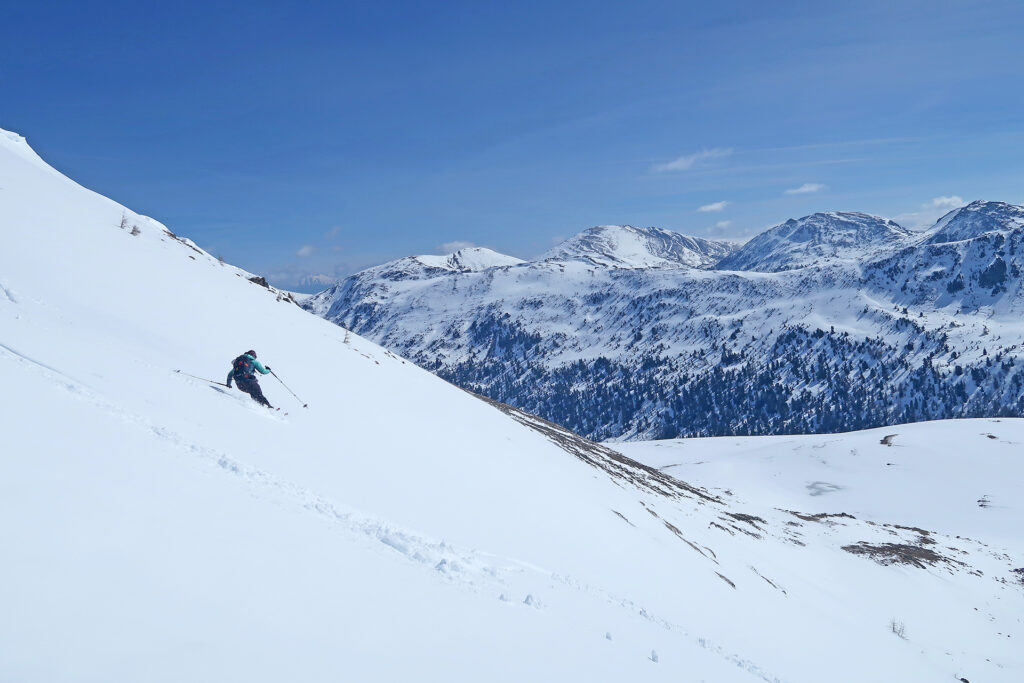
(161, 528)
(955, 475)
(625, 246)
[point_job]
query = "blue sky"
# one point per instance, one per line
(324, 137)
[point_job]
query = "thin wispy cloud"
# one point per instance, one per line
(806, 188)
(719, 228)
(929, 212)
(685, 163)
(306, 250)
(451, 247)
(713, 208)
(867, 142)
(951, 202)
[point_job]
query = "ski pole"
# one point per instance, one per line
(304, 405)
(201, 378)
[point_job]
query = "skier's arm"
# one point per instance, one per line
(231, 376)
(259, 366)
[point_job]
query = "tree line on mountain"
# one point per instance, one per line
(816, 381)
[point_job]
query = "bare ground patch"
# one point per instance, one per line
(821, 517)
(887, 554)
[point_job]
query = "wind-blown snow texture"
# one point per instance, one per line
(835, 321)
(161, 528)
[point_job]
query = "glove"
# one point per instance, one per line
(268, 368)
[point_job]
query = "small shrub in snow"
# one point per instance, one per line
(654, 656)
(898, 628)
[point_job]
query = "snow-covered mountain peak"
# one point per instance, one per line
(425, 266)
(801, 242)
(977, 218)
(470, 259)
(626, 246)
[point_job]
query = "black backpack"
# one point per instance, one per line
(242, 367)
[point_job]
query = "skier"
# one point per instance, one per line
(242, 373)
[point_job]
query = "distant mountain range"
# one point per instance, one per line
(835, 321)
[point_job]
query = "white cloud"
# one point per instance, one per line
(952, 202)
(929, 212)
(806, 188)
(449, 247)
(333, 232)
(728, 231)
(685, 163)
(710, 208)
(306, 250)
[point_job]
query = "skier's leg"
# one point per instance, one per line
(257, 395)
(252, 387)
(248, 386)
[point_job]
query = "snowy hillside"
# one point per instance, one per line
(162, 528)
(624, 246)
(859, 323)
(975, 220)
(815, 239)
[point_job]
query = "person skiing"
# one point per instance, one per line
(242, 374)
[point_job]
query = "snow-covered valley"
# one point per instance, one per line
(158, 527)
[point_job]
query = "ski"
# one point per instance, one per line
(222, 384)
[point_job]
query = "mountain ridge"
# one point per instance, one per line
(799, 243)
(872, 325)
(626, 246)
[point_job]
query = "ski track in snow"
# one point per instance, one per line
(412, 545)
(7, 294)
(470, 569)
(675, 628)
(67, 382)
